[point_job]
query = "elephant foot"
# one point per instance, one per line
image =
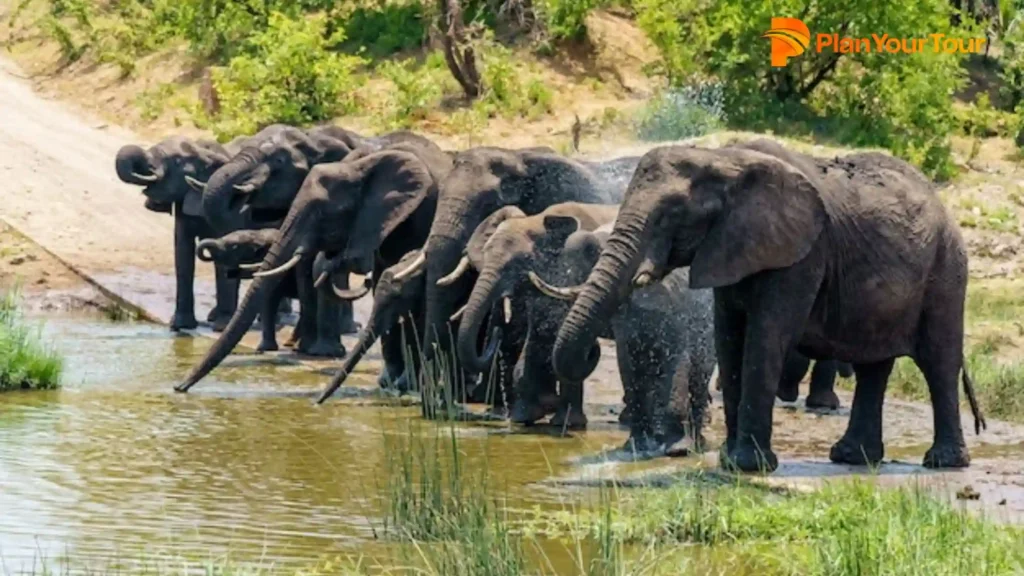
(788, 393)
(326, 350)
(220, 323)
(855, 452)
(351, 328)
(641, 445)
(213, 314)
(183, 322)
(570, 419)
(746, 457)
(266, 346)
(292, 340)
(684, 447)
(527, 413)
(827, 400)
(947, 455)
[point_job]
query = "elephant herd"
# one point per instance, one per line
(499, 269)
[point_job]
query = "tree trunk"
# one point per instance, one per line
(458, 53)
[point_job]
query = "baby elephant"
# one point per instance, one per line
(318, 328)
(664, 337)
(823, 378)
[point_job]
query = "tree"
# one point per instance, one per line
(458, 53)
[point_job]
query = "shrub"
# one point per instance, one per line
(901, 102)
(387, 28)
(288, 74)
(417, 89)
(565, 19)
(684, 112)
(25, 363)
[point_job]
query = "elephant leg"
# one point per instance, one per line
(729, 329)
(939, 355)
(328, 326)
(184, 317)
(513, 342)
(823, 381)
(570, 414)
(308, 301)
(793, 372)
(862, 442)
(268, 327)
(227, 299)
(392, 348)
(698, 381)
(534, 381)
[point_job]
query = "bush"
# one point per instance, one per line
(684, 112)
(901, 102)
(565, 19)
(25, 363)
(417, 89)
(388, 28)
(287, 74)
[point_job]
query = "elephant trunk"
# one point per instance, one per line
(367, 336)
(482, 300)
(220, 190)
(289, 245)
(575, 354)
(206, 249)
(135, 166)
(442, 301)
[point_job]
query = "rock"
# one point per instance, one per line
(968, 493)
(17, 260)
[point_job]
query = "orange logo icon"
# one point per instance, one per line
(790, 37)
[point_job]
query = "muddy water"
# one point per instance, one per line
(116, 465)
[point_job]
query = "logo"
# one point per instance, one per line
(790, 37)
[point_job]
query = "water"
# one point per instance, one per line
(116, 465)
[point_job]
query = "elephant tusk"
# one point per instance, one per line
(195, 184)
(411, 269)
(458, 314)
(556, 292)
(245, 188)
(145, 177)
(204, 253)
(172, 210)
(355, 294)
(642, 279)
(507, 305)
(455, 274)
(320, 279)
(255, 266)
(280, 269)
(245, 209)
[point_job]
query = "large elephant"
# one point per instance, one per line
(376, 207)
(482, 181)
(246, 247)
(397, 319)
(854, 258)
(506, 246)
(162, 170)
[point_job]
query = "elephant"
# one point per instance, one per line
(245, 247)
(505, 247)
(162, 171)
(483, 180)
(853, 258)
(376, 207)
(823, 379)
(396, 304)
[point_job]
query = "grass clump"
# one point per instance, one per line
(25, 362)
(849, 527)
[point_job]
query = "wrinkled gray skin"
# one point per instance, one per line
(250, 247)
(397, 319)
(482, 181)
(376, 207)
(664, 339)
(504, 249)
(161, 171)
(853, 258)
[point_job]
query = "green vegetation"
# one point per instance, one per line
(25, 363)
(309, 61)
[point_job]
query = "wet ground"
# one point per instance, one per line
(117, 465)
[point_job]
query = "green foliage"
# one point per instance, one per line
(417, 88)
(509, 90)
(898, 101)
(287, 74)
(25, 363)
(1012, 73)
(387, 27)
(565, 19)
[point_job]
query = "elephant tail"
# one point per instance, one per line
(972, 399)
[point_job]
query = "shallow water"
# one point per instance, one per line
(118, 465)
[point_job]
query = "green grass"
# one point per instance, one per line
(25, 362)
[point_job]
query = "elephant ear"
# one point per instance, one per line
(192, 205)
(485, 230)
(394, 184)
(771, 218)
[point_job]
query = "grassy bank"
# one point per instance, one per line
(25, 362)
